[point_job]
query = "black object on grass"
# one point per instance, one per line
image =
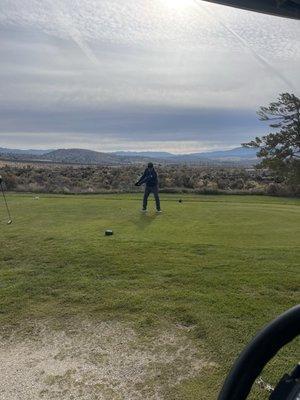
(180, 201)
(109, 232)
(6, 205)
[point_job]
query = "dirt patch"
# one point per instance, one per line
(88, 360)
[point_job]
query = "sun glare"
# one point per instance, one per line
(177, 4)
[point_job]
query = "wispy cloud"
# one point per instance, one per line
(67, 24)
(115, 72)
(262, 60)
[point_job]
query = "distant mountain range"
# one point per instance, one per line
(148, 154)
(82, 156)
(68, 156)
(4, 150)
(238, 152)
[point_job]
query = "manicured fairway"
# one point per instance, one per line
(217, 267)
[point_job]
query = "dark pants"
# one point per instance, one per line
(148, 190)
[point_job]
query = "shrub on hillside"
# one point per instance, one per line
(173, 179)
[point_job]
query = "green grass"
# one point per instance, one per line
(225, 265)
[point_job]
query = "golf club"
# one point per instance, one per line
(4, 198)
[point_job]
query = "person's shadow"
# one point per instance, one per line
(145, 220)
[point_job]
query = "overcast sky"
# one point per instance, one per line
(175, 75)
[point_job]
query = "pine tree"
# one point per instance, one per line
(280, 150)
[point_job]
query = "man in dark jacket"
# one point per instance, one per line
(149, 177)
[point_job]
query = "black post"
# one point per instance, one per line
(5, 201)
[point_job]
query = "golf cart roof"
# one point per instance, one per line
(283, 8)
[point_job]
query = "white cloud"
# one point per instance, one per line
(82, 56)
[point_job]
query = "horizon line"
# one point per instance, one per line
(122, 151)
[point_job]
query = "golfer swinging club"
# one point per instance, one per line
(149, 177)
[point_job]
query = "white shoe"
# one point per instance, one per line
(143, 211)
(158, 211)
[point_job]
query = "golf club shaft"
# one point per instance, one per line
(5, 201)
